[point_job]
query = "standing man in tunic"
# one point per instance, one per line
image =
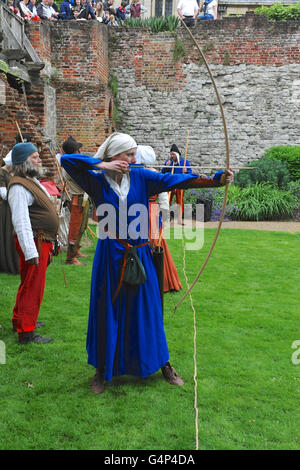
(36, 224)
(177, 165)
(79, 209)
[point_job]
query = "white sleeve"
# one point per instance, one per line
(19, 198)
(179, 4)
(163, 201)
(3, 192)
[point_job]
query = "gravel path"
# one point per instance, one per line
(292, 227)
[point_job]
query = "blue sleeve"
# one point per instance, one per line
(80, 168)
(160, 182)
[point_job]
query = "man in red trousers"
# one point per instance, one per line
(36, 224)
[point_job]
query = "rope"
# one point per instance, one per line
(194, 355)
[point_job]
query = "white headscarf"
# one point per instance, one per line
(116, 143)
(7, 159)
(145, 155)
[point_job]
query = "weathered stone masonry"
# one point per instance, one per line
(256, 64)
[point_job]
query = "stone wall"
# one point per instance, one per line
(256, 65)
(162, 95)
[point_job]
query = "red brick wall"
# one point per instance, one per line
(78, 54)
(249, 40)
(14, 110)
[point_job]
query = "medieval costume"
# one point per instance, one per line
(125, 330)
(79, 209)
(9, 258)
(177, 165)
(159, 203)
(35, 223)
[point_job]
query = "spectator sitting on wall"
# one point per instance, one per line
(112, 21)
(77, 6)
(99, 12)
(106, 17)
(135, 8)
(45, 11)
(24, 8)
(54, 6)
(109, 6)
(121, 11)
(27, 11)
(65, 10)
(87, 12)
(32, 7)
(14, 8)
(209, 9)
(188, 10)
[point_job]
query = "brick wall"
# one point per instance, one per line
(76, 56)
(161, 98)
(248, 40)
(13, 108)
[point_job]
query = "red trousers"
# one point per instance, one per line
(31, 290)
(178, 193)
(75, 220)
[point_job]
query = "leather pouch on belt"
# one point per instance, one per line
(134, 272)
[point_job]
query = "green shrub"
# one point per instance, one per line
(156, 24)
(261, 202)
(279, 12)
(294, 188)
(290, 154)
(266, 170)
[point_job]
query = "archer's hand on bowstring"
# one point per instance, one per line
(115, 165)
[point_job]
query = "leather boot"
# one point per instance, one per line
(97, 382)
(30, 337)
(170, 375)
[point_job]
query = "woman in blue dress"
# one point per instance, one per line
(125, 330)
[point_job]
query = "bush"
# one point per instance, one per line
(279, 12)
(156, 24)
(267, 170)
(261, 202)
(289, 154)
(294, 188)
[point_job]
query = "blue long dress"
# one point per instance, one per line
(125, 337)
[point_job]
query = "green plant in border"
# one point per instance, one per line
(290, 154)
(261, 202)
(265, 170)
(280, 12)
(156, 24)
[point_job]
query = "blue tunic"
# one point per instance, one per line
(127, 336)
(177, 170)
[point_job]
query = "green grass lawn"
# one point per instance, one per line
(247, 306)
